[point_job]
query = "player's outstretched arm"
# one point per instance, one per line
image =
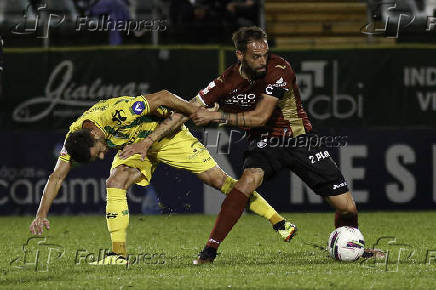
(165, 98)
(50, 192)
(255, 118)
(165, 128)
(173, 123)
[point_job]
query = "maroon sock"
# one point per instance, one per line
(348, 219)
(231, 210)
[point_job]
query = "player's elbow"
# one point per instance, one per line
(164, 93)
(163, 98)
(159, 98)
(261, 121)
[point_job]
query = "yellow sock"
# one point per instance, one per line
(117, 218)
(275, 218)
(258, 204)
(119, 248)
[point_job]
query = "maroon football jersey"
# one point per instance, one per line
(235, 94)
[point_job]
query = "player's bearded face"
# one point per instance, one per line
(254, 61)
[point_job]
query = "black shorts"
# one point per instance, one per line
(313, 164)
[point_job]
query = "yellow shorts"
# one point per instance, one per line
(182, 151)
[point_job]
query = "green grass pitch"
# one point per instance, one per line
(253, 256)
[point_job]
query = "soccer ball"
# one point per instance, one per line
(346, 244)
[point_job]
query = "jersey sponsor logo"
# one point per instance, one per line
(243, 100)
(111, 215)
(280, 83)
(119, 116)
(261, 143)
(280, 66)
(336, 186)
(208, 88)
(138, 107)
(270, 88)
(211, 85)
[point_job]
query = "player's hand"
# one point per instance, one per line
(38, 224)
(136, 148)
(202, 117)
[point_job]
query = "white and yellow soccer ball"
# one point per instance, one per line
(346, 244)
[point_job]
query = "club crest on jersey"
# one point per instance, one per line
(138, 107)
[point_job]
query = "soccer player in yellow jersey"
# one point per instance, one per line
(127, 122)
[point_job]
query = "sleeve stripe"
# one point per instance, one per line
(65, 158)
(198, 97)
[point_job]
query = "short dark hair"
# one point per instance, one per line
(244, 35)
(78, 144)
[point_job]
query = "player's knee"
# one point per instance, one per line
(251, 179)
(214, 177)
(256, 175)
(348, 209)
(119, 178)
(114, 182)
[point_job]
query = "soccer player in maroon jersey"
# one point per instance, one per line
(260, 93)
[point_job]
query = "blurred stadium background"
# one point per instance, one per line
(366, 70)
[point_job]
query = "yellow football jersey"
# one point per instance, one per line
(123, 120)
